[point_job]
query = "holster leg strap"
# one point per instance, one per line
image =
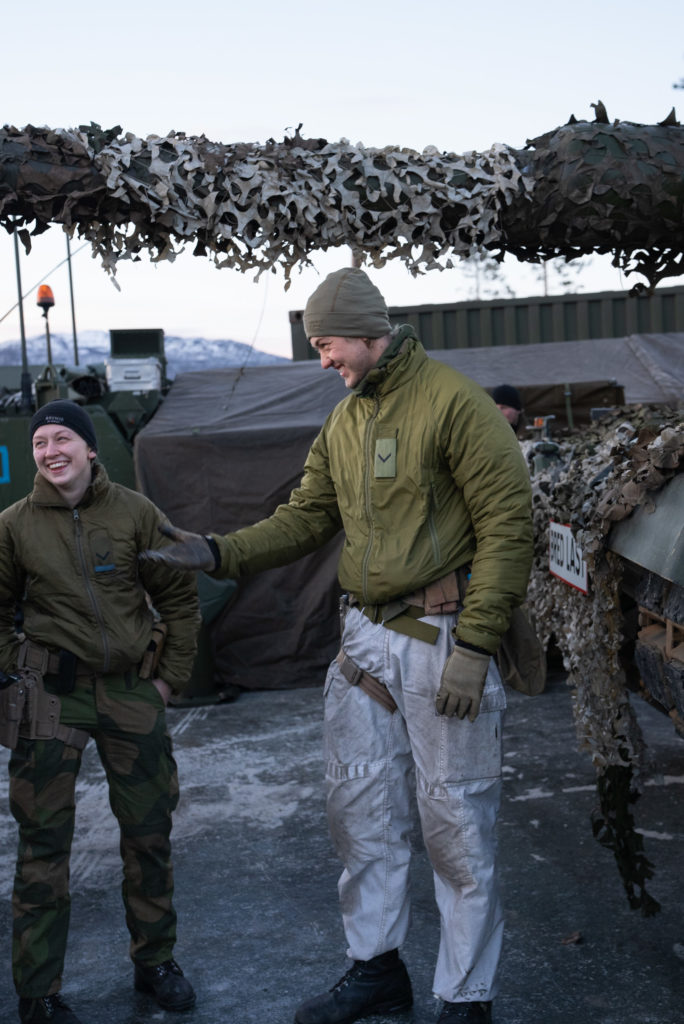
(72, 736)
(41, 711)
(356, 676)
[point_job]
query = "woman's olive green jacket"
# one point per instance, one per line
(76, 575)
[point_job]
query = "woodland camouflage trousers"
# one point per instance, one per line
(125, 716)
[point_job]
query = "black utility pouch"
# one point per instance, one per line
(64, 680)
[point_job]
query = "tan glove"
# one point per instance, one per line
(191, 550)
(462, 683)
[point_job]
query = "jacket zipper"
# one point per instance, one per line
(432, 525)
(367, 494)
(89, 589)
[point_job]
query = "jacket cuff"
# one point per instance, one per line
(471, 647)
(214, 548)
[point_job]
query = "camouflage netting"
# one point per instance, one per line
(606, 472)
(582, 188)
(605, 188)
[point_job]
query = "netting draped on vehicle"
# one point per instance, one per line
(601, 476)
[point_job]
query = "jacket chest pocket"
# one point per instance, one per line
(385, 463)
(103, 561)
(385, 454)
(106, 562)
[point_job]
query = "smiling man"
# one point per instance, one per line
(75, 615)
(422, 473)
(351, 357)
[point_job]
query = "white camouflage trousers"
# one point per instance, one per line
(372, 759)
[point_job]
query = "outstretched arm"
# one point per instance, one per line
(190, 551)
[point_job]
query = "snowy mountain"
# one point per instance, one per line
(182, 354)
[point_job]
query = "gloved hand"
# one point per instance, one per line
(190, 551)
(462, 683)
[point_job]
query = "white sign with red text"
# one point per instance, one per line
(565, 557)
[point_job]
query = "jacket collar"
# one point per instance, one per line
(44, 493)
(390, 370)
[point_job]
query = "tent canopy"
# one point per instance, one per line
(225, 448)
(650, 367)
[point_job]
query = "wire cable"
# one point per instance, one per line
(242, 368)
(41, 279)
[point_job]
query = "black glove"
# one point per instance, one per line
(190, 550)
(462, 683)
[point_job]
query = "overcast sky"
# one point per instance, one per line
(456, 75)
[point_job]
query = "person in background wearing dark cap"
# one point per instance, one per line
(427, 481)
(69, 563)
(507, 399)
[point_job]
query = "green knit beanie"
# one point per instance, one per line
(346, 305)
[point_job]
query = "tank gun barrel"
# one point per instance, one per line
(584, 187)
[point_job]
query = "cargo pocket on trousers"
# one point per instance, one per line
(470, 751)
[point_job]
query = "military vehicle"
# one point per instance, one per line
(651, 543)
(617, 484)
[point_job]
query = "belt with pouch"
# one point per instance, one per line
(442, 597)
(405, 614)
(58, 668)
(28, 709)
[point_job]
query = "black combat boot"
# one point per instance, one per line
(466, 1013)
(167, 984)
(46, 1010)
(380, 985)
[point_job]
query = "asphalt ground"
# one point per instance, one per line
(259, 928)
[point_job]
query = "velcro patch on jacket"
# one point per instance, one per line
(386, 457)
(102, 551)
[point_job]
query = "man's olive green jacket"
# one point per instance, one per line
(424, 475)
(81, 587)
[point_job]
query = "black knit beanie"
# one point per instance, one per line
(506, 394)
(64, 413)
